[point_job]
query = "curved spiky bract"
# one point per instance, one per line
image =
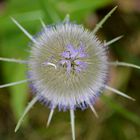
(50, 117)
(13, 60)
(119, 93)
(14, 83)
(23, 30)
(99, 25)
(72, 116)
(27, 109)
(124, 64)
(67, 66)
(113, 40)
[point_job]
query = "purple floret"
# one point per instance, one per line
(71, 58)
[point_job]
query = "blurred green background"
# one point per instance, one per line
(119, 118)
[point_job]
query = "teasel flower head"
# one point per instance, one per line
(68, 67)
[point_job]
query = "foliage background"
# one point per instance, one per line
(119, 118)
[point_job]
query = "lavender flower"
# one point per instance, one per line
(67, 68)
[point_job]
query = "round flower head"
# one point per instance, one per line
(68, 68)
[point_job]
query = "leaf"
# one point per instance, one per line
(13, 72)
(124, 112)
(78, 5)
(19, 93)
(79, 9)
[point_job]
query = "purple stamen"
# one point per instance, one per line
(66, 54)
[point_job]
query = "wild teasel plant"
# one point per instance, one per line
(68, 68)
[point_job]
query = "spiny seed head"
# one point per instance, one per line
(67, 66)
